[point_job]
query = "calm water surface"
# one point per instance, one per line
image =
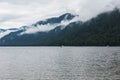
(55, 63)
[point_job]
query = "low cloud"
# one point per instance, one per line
(17, 13)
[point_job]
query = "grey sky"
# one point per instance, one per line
(15, 13)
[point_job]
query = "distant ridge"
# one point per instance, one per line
(101, 30)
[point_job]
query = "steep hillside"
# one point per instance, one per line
(102, 30)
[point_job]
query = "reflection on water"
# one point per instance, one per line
(54, 63)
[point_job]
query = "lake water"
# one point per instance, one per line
(56, 63)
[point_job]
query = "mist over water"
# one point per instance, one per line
(55, 63)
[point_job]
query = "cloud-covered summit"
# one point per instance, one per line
(16, 13)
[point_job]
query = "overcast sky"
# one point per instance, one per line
(16, 13)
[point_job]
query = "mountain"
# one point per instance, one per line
(2, 30)
(56, 20)
(49, 24)
(43, 25)
(101, 30)
(26, 33)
